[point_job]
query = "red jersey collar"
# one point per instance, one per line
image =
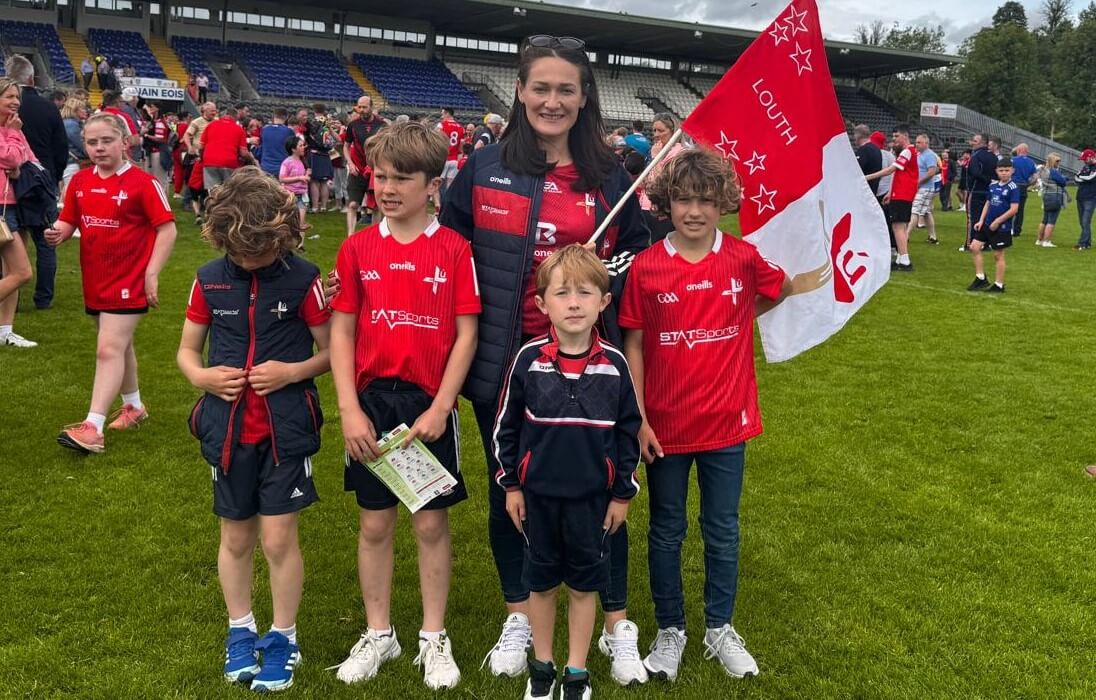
(717, 244)
(126, 165)
(430, 229)
(551, 348)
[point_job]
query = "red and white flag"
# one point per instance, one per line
(804, 199)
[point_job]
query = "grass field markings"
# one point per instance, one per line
(1001, 299)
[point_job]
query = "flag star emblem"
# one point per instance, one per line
(802, 58)
(726, 146)
(756, 162)
(767, 196)
(779, 33)
(794, 20)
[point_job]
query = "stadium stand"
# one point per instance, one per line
(44, 37)
(296, 72)
(195, 52)
(126, 48)
(498, 78)
(416, 83)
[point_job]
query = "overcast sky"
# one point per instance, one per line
(959, 18)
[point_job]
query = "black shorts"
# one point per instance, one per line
(389, 402)
(565, 543)
(356, 187)
(997, 240)
(900, 211)
(254, 485)
(121, 312)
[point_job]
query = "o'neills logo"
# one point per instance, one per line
(488, 209)
(226, 312)
(499, 180)
(90, 221)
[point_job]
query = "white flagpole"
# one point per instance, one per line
(635, 185)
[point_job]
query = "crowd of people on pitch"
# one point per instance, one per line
(484, 279)
(907, 176)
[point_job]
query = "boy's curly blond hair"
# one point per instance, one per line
(698, 172)
(251, 215)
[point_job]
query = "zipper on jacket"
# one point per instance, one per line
(515, 317)
(226, 450)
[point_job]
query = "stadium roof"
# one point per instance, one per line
(619, 32)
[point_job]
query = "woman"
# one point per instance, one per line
(549, 182)
(1054, 199)
(73, 115)
(662, 128)
(14, 263)
(964, 161)
(945, 180)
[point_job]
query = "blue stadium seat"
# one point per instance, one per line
(126, 48)
(417, 83)
(195, 53)
(45, 37)
(285, 71)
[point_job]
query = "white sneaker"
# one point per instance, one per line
(725, 644)
(436, 658)
(1048, 244)
(17, 341)
(510, 654)
(367, 655)
(622, 648)
(665, 656)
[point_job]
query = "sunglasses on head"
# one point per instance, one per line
(547, 41)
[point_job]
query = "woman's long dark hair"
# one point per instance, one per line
(521, 151)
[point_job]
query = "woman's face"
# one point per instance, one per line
(552, 96)
(661, 131)
(9, 103)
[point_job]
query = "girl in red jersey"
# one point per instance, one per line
(127, 232)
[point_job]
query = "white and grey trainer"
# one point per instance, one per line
(723, 643)
(622, 648)
(666, 651)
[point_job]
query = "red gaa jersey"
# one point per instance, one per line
(406, 298)
(117, 217)
(126, 119)
(565, 217)
(904, 184)
(699, 388)
(454, 134)
(256, 422)
(221, 143)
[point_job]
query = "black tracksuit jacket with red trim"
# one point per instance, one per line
(568, 438)
(255, 318)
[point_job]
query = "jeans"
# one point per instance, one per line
(945, 197)
(1085, 209)
(46, 269)
(1018, 222)
(719, 474)
(508, 545)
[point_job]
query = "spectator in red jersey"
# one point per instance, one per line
(549, 182)
(157, 135)
(178, 172)
(112, 104)
(454, 135)
(224, 147)
(127, 233)
(358, 181)
(900, 199)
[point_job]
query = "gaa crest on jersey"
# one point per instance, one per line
(438, 278)
(120, 197)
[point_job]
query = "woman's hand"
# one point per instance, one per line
(14, 122)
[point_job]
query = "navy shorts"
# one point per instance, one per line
(254, 485)
(997, 240)
(565, 543)
(389, 402)
(900, 211)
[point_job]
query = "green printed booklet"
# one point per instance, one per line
(412, 473)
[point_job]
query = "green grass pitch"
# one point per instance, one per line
(916, 523)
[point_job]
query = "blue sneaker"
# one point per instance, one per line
(280, 658)
(241, 659)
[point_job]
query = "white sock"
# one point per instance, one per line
(247, 621)
(289, 632)
(381, 633)
(1000, 284)
(430, 636)
(5, 331)
(133, 399)
(98, 420)
(903, 259)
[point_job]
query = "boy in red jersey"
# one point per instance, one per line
(257, 311)
(127, 233)
(690, 301)
(454, 136)
(403, 337)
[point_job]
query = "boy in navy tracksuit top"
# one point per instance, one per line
(566, 438)
(262, 309)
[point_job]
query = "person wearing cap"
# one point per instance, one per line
(129, 106)
(1086, 198)
(994, 228)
